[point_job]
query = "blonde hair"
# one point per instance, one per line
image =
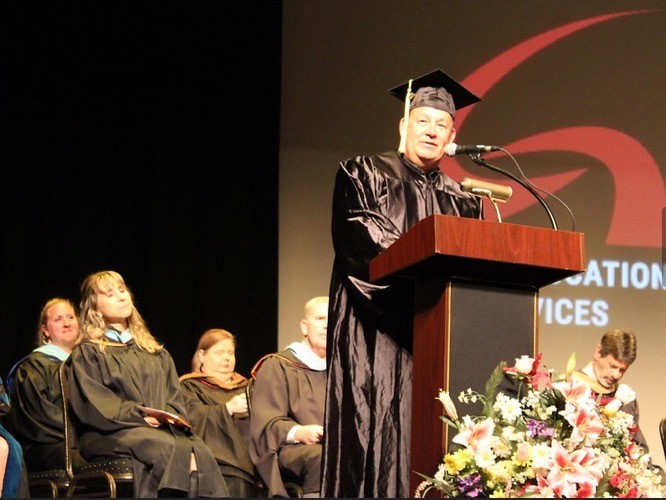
(208, 339)
(310, 305)
(91, 322)
(41, 338)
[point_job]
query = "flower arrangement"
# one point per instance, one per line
(551, 438)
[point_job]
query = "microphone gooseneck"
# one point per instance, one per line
(476, 158)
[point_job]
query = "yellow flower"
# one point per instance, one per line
(611, 408)
(455, 462)
(498, 472)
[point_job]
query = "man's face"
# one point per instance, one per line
(608, 370)
(314, 326)
(428, 131)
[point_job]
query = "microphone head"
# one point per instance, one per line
(496, 192)
(450, 149)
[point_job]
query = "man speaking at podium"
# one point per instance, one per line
(377, 199)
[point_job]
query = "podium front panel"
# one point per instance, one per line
(487, 325)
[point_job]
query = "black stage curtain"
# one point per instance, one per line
(143, 137)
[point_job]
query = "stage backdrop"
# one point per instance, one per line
(573, 90)
(124, 148)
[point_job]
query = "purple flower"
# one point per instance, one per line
(537, 428)
(471, 485)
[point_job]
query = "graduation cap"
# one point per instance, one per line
(435, 90)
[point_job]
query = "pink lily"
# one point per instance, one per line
(477, 436)
(571, 470)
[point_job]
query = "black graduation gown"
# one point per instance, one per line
(368, 406)
(286, 393)
(36, 419)
(227, 436)
(105, 388)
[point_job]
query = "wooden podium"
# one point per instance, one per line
(476, 303)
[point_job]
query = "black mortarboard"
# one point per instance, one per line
(436, 90)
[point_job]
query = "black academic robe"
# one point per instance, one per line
(36, 419)
(105, 388)
(368, 407)
(227, 436)
(286, 393)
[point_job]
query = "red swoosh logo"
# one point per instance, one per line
(635, 220)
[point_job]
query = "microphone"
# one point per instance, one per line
(453, 149)
(496, 192)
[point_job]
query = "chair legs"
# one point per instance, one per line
(98, 484)
(80, 481)
(42, 488)
(294, 490)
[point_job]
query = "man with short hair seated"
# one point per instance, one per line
(287, 408)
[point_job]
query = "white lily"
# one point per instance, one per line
(449, 406)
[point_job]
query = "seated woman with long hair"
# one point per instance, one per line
(118, 366)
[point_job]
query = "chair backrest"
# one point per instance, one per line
(55, 481)
(662, 433)
(66, 424)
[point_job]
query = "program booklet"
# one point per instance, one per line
(164, 417)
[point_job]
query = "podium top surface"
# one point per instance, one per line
(482, 251)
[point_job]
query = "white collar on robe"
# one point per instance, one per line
(307, 356)
(114, 334)
(54, 351)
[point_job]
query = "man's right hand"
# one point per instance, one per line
(309, 434)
